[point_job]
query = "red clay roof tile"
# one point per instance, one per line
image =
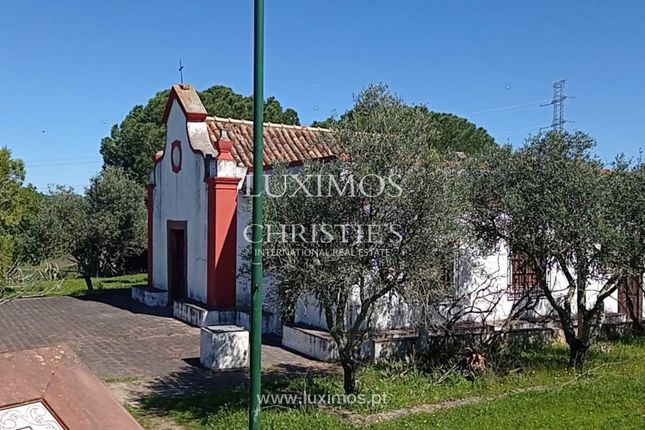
(292, 144)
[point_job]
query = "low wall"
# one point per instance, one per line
(150, 296)
(311, 343)
(199, 316)
(320, 345)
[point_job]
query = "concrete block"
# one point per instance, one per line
(224, 347)
(150, 296)
(190, 313)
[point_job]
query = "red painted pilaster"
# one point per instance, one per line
(150, 204)
(222, 241)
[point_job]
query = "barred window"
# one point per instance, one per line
(449, 281)
(449, 274)
(523, 279)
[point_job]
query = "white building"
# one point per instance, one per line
(197, 214)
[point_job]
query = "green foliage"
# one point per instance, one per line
(117, 212)
(399, 205)
(72, 286)
(444, 131)
(45, 234)
(133, 143)
(111, 226)
(228, 409)
(24, 282)
(17, 202)
(606, 395)
(626, 184)
(553, 201)
(602, 399)
(454, 133)
(100, 230)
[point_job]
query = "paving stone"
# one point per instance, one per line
(115, 336)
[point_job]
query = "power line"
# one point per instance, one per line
(61, 164)
(45, 160)
(518, 106)
(520, 129)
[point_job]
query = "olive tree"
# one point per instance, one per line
(553, 201)
(371, 225)
(99, 230)
(628, 201)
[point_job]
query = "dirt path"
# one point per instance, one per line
(367, 420)
(160, 423)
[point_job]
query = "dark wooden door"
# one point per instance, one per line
(630, 298)
(177, 260)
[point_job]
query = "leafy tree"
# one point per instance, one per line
(41, 233)
(100, 230)
(447, 132)
(16, 203)
(132, 144)
(385, 233)
(118, 203)
(628, 200)
(553, 201)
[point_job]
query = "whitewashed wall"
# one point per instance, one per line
(181, 196)
(243, 250)
(244, 216)
(490, 284)
(485, 284)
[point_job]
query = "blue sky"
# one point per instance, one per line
(72, 69)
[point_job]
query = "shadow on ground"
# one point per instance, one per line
(121, 298)
(194, 379)
(197, 394)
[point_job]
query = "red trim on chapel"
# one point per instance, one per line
(222, 242)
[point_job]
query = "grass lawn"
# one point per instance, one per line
(76, 286)
(607, 395)
(607, 401)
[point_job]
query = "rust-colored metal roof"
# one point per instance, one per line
(292, 144)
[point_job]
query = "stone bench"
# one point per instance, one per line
(224, 347)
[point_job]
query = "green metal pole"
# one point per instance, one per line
(257, 279)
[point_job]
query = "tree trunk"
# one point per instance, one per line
(88, 282)
(349, 377)
(637, 328)
(577, 353)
